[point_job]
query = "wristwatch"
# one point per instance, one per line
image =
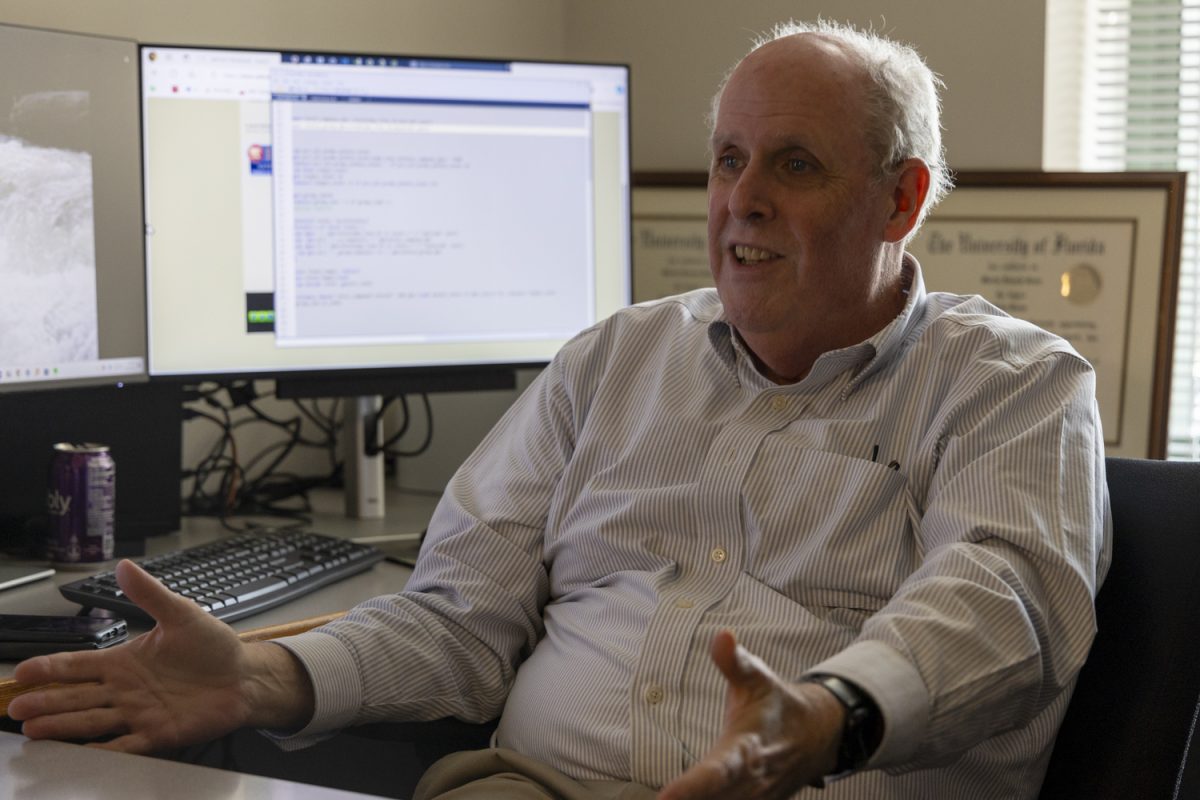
(863, 729)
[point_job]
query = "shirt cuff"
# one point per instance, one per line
(337, 686)
(897, 689)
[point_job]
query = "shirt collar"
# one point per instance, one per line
(862, 359)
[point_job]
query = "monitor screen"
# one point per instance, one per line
(320, 213)
(72, 292)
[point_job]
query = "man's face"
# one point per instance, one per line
(795, 216)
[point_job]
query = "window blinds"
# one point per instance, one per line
(1123, 94)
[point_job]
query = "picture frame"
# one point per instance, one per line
(1119, 310)
(669, 234)
(1093, 257)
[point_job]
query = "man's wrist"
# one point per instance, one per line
(277, 688)
(862, 728)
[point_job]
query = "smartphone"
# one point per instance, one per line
(25, 635)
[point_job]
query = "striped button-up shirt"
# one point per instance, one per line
(924, 514)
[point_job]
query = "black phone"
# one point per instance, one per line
(25, 635)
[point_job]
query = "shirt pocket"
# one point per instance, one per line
(828, 530)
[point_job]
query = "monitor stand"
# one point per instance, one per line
(362, 474)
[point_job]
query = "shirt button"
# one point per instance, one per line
(779, 402)
(654, 695)
(684, 602)
(718, 554)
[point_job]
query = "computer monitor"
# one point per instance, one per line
(72, 285)
(72, 293)
(364, 217)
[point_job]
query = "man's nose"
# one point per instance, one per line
(751, 197)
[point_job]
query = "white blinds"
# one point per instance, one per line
(1123, 93)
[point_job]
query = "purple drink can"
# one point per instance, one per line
(81, 502)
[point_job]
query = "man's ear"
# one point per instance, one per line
(908, 198)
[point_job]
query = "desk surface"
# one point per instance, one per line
(54, 769)
(405, 514)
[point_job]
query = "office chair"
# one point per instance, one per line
(1128, 727)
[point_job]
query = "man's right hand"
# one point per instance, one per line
(190, 679)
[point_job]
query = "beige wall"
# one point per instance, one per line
(483, 28)
(989, 53)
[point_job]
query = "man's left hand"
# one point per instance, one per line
(777, 738)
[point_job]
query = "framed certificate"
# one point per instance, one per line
(1093, 257)
(670, 234)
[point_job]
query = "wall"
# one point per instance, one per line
(531, 28)
(989, 54)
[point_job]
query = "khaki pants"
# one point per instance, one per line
(499, 774)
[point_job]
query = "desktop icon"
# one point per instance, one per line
(260, 159)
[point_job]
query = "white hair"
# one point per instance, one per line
(903, 107)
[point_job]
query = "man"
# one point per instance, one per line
(893, 500)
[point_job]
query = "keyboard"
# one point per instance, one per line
(237, 576)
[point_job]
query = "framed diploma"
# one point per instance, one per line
(670, 234)
(1093, 257)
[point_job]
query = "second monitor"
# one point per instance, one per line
(336, 214)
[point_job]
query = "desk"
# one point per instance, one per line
(53, 769)
(406, 513)
(38, 770)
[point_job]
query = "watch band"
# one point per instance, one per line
(863, 728)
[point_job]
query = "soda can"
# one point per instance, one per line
(81, 502)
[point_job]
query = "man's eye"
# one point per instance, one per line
(728, 162)
(798, 165)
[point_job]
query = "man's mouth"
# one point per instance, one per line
(745, 254)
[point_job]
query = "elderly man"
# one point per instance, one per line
(818, 523)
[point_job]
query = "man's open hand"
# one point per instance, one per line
(188, 680)
(777, 738)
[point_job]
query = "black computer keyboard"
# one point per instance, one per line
(235, 577)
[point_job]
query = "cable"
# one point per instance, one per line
(254, 484)
(375, 448)
(421, 448)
